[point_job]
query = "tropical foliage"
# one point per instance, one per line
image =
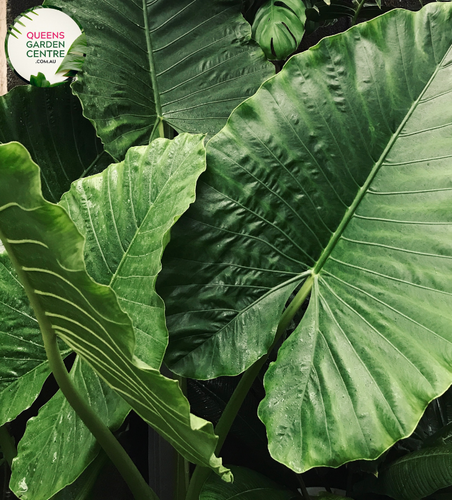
(300, 234)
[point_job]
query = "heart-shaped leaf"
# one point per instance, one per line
(339, 167)
(183, 62)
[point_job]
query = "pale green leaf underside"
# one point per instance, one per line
(86, 315)
(124, 214)
(189, 62)
(23, 370)
(57, 446)
(340, 163)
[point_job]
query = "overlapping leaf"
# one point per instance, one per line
(23, 370)
(187, 62)
(48, 253)
(340, 165)
(57, 447)
(23, 367)
(124, 214)
(50, 124)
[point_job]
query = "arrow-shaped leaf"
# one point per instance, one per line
(124, 213)
(186, 62)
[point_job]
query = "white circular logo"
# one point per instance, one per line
(38, 41)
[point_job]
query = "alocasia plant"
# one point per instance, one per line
(332, 182)
(335, 175)
(183, 63)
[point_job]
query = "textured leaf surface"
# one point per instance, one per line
(279, 27)
(247, 485)
(339, 164)
(189, 62)
(23, 370)
(57, 446)
(50, 124)
(23, 366)
(418, 474)
(124, 213)
(44, 242)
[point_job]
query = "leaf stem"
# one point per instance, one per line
(111, 446)
(117, 454)
(238, 396)
(7, 445)
(304, 491)
(357, 11)
(161, 128)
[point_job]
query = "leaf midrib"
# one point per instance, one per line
(152, 70)
(363, 190)
(138, 231)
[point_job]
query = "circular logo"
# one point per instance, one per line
(38, 41)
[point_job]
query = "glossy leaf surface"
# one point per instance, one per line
(50, 124)
(125, 213)
(187, 62)
(279, 27)
(48, 252)
(247, 485)
(24, 366)
(57, 446)
(338, 166)
(45, 450)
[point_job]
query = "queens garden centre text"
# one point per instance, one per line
(45, 44)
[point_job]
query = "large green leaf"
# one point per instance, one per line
(23, 370)
(279, 27)
(50, 124)
(47, 251)
(23, 367)
(339, 165)
(57, 447)
(124, 214)
(247, 485)
(186, 62)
